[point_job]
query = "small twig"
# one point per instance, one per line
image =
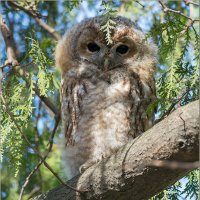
(1, 79)
(47, 102)
(3, 65)
(34, 14)
(189, 24)
(174, 164)
(139, 4)
(167, 10)
(27, 64)
(28, 178)
(187, 2)
(11, 56)
(57, 120)
(183, 121)
(168, 111)
(32, 192)
(37, 140)
(37, 136)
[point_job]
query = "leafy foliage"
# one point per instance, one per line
(11, 142)
(107, 23)
(42, 62)
(192, 186)
(179, 191)
(180, 79)
(18, 104)
(172, 193)
(72, 4)
(177, 84)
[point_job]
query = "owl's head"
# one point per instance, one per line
(84, 46)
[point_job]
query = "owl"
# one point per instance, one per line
(105, 90)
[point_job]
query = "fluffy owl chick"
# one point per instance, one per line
(105, 90)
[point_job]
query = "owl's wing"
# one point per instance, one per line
(143, 93)
(72, 93)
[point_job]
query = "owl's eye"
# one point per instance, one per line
(93, 47)
(122, 49)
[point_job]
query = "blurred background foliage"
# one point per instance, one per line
(177, 81)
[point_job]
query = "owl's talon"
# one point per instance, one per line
(85, 166)
(82, 169)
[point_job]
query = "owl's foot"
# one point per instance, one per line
(89, 163)
(86, 165)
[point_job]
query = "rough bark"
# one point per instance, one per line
(130, 173)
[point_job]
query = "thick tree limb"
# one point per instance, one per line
(131, 173)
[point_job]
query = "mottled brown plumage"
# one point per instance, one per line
(105, 90)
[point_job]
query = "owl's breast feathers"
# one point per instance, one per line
(115, 107)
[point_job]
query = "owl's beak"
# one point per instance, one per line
(106, 63)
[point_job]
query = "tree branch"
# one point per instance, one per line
(188, 2)
(11, 56)
(36, 168)
(33, 14)
(131, 173)
(167, 10)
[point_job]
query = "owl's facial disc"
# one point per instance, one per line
(92, 48)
